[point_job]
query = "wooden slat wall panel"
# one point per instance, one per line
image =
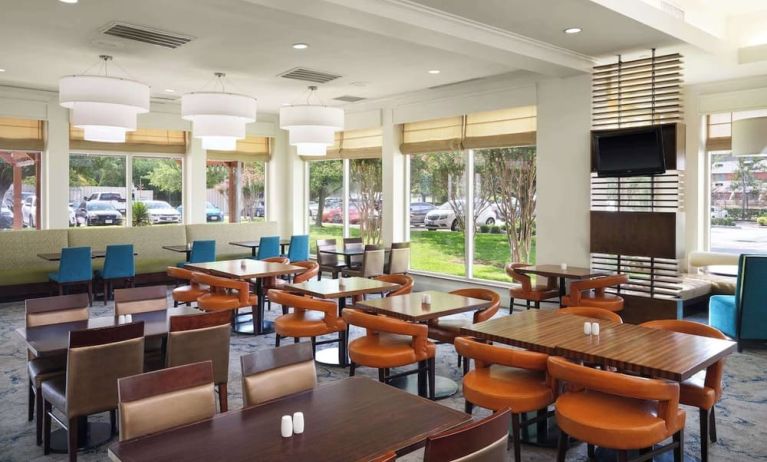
(649, 277)
(658, 193)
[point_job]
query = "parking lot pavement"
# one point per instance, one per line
(745, 237)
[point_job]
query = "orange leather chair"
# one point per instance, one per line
(445, 330)
(591, 292)
(189, 293)
(310, 318)
(226, 294)
(527, 292)
(616, 411)
(506, 378)
(390, 343)
(405, 282)
(704, 389)
(312, 270)
(591, 312)
(479, 441)
(272, 282)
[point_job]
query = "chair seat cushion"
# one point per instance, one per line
(694, 392)
(447, 329)
(538, 294)
(609, 302)
(188, 294)
(723, 314)
(386, 350)
(55, 392)
(42, 369)
(220, 302)
(612, 421)
(497, 387)
(302, 324)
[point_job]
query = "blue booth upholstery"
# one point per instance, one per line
(268, 247)
(299, 248)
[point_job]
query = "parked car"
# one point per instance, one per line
(97, 213)
(718, 212)
(212, 213)
(8, 198)
(29, 211)
(418, 211)
(6, 217)
(260, 209)
(162, 212)
(72, 216)
(117, 200)
(336, 215)
(444, 217)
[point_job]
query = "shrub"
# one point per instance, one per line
(140, 214)
(727, 221)
(484, 228)
(762, 220)
(495, 229)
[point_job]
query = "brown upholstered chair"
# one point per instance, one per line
(310, 318)
(479, 441)
(391, 343)
(405, 285)
(44, 312)
(164, 399)
(189, 293)
(272, 374)
(506, 378)
(226, 295)
(136, 300)
(399, 259)
(354, 243)
(704, 389)
(328, 261)
(591, 292)
(202, 337)
(388, 457)
(96, 359)
(592, 312)
(372, 263)
(527, 292)
(616, 411)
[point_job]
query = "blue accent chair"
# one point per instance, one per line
(75, 268)
(268, 247)
(299, 248)
(118, 264)
(743, 316)
(202, 252)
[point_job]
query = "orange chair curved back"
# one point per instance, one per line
(220, 296)
(405, 282)
(301, 303)
(383, 324)
(312, 270)
(591, 312)
(482, 294)
(599, 298)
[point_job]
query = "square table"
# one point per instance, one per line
(186, 249)
(349, 420)
(56, 256)
(247, 269)
(556, 271)
(253, 245)
(339, 289)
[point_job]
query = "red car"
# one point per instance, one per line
(336, 215)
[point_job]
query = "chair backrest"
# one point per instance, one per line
(354, 243)
(268, 246)
(518, 277)
(326, 258)
(56, 310)
(592, 312)
(750, 294)
(482, 294)
(399, 258)
(164, 399)
(203, 251)
(118, 262)
(405, 283)
(299, 247)
(140, 300)
(698, 259)
(373, 261)
(376, 324)
(485, 354)
(299, 302)
(75, 264)
(479, 441)
(274, 373)
(312, 270)
(283, 260)
(201, 337)
(180, 273)
(95, 360)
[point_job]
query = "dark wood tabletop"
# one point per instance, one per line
(342, 287)
(409, 307)
(353, 419)
(255, 244)
(245, 268)
(556, 271)
(186, 248)
(56, 256)
(54, 339)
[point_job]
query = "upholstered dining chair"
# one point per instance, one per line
(372, 263)
(226, 295)
(136, 300)
(194, 338)
(312, 270)
(399, 259)
(96, 359)
(44, 312)
(186, 294)
(164, 399)
(268, 247)
(404, 281)
(118, 264)
(354, 243)
(616, 411)
(203, 251)
(526, 291)
(274, 373)
(591, 312)
(506, 378)
(479, 441)
(272, 282)
(328, 261)
(591, 292)
(390, 343)
(75, 268)
(704, 389)
(390, 456)
(299, 247)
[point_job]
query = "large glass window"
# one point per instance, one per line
(325, 200)
(220, 199)
(19, 186)
(157, 190)
(97, 191)
(365, 199)
(252, 180)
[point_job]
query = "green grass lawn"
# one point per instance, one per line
(443, 252)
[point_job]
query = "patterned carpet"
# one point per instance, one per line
(741, 415)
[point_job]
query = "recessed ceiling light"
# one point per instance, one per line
(2, 70)
(572, 30)
(300, 46)
(170, 90)
(68, 1)
(434, 71)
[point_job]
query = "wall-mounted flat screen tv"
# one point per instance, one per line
(630, 152)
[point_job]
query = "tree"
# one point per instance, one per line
(366, 175)
(165, 176)
(97, 171)
(745, 180)
(325, 178)
(252, 179)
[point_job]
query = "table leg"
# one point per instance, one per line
(257, 324)
(562, 290)
(89, 436)
(444, 387)
(332, 356)
(253, 251)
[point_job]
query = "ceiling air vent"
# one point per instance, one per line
(308, 75)
(146, 35)
(349, 98)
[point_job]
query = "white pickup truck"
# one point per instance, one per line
(115, 198)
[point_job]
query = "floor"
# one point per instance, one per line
(741, 415)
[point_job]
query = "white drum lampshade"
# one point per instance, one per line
(218, 118)
(311, 128)
(749, 136)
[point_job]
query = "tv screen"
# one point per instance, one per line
(632, 152)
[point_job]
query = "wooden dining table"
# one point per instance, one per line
(186, 249)
(354, 250)
(254, 245)
(349, 420)
(563, 274)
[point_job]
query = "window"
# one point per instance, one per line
(325, 203)
(97, 192)
(365, 199)
(19, 190)
(253, 200)
(156, 190)
(220, 200)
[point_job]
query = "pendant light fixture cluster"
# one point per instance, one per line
(311, 127)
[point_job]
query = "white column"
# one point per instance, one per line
(285, 186)
(55, 171)
(195, 186)
(395, 200)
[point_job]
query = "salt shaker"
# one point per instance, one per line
(426, 299)
(587, 328)
(594, 328)
(563, 266)
(286, 426)
(298, 423)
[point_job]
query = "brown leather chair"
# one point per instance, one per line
(272, 374)
(372, 263)
(479, 441)
(194, 338)
(328, 261)
(591, 292)
(399, 259)
(311, 317)
(405, 285)
(592, 312)
(616, 411)
(506, 378)
(445, 330)
(391, 343)
(226, 295)
(164, 399)
(44, 312)
(186, 294)
(136, 300)
(704, 389)
(96, 359)
(527, 292)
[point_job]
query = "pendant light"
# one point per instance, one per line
(311, 127)
(218, 118)
(104, 106)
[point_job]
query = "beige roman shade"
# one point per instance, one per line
(719, 132)
(503, 128)
(141, 140)
(433, 135)
(21, 134)
(249, 149)
(354, 144)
